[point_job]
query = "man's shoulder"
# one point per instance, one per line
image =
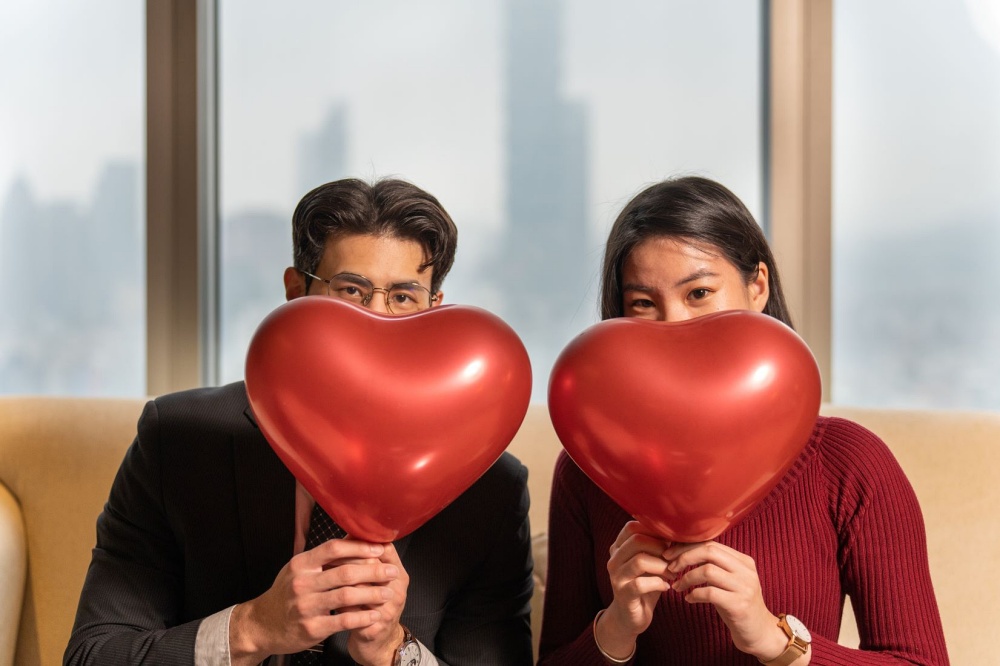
(508, 464)
(220, 408)
(503, 487)
(494, 507)
(506, 472)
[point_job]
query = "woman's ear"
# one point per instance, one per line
(295, 283)
(758, 290)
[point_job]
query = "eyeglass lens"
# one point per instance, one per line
(400, 298)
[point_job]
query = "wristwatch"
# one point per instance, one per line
(408, 652)
(799, 639)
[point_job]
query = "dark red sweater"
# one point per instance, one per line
(843, 520)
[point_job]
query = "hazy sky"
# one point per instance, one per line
(72, 84)
(424, 87)
(916, 115)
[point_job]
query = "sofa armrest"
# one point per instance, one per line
(13, 570)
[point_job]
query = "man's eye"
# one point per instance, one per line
(403, 297)
(350, 292)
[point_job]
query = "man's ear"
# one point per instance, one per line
(438, 299)
(759, 290)
(295, 283)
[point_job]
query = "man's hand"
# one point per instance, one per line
(376, 644)
(340, 575)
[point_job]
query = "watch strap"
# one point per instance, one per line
(408, 639)
(796, 646)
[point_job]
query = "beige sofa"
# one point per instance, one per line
(58, 457)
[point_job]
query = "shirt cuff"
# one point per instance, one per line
(211, 645)
(426, 658)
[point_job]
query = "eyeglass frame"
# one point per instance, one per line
(367, 299)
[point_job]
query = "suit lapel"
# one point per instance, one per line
(401, 545)
(265, 496)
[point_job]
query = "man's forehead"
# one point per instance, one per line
(384, 257)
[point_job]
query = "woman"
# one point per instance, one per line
(843, 519)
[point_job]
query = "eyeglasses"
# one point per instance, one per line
(402, 298)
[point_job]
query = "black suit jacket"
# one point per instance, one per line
(201, 517)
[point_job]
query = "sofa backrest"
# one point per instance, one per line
(952, 460)
(58, 457)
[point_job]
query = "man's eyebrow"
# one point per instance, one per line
(351, 277)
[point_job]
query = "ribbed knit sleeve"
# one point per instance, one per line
(882, 554)
(572, 598)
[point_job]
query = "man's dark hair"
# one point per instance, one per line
(388, 207)
(693, 209)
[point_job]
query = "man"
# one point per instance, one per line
(205, 549)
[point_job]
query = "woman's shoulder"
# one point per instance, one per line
(848, 443)
(858, 465)
(836, 435)
(568, 473)
(571, 485)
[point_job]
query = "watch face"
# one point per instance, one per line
(798, 629)
(409, 654)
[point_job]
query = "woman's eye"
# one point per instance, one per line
(642, 304)
(698, 294)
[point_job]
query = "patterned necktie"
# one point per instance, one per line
(322, 528)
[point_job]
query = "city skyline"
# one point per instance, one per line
(915, 204)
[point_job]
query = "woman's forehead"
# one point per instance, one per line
(661, 250)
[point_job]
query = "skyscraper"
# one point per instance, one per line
(323, 153)
(71, 289)
(546, 197)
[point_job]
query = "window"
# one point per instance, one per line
(72, 270)
(916, 204)
(533, 121)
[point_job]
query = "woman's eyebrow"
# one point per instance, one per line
(697, 275)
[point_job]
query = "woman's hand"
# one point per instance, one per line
(639, 576)
(728, 580)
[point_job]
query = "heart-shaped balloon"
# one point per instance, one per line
(386, 420)
(686, 425)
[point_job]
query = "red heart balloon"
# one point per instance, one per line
(686, 425)
(386, 420)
